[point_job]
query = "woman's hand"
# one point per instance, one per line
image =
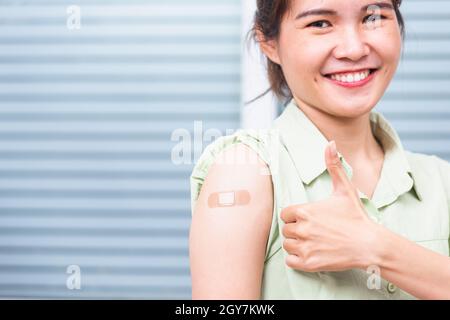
(330, 235)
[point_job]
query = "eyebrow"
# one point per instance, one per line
(329, 12)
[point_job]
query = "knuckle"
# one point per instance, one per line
(306, 250)
(304, 231)
(302, 212)
(293, 262)
(308, 263)
(300, 231)
(285, 230)
(287, 245)
(299, 263)
(308, 266)
(284, 215)
(289, 263)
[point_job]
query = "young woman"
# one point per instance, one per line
(305, 221)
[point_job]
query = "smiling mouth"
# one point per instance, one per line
(352, 79)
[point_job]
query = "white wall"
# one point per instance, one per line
(260, 113)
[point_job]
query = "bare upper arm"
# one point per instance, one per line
(227, 244)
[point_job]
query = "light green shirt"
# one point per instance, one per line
(412, 198)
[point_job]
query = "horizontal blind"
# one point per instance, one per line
(86, 121)
(418, 100)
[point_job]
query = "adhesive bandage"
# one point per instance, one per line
(229, 199)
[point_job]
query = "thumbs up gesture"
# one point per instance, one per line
(334, 234)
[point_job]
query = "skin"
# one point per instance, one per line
(227, 244)
(316, 45)
(333, 234)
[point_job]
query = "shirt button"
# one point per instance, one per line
(391, 288)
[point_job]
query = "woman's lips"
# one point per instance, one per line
(354, 84)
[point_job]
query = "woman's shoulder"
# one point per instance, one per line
(428, 162)
(430, 169)
(256, 150)
(257, 140)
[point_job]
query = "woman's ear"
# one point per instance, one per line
(268, 47)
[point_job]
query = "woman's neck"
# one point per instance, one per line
(353, 136)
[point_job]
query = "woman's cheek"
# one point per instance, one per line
(388, 43)
(295, 69)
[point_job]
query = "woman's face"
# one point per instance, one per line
(327, 54)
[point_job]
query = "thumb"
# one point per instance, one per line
(341, 183)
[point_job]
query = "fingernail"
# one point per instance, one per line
(333, 149)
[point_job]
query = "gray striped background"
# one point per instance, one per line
(418, 101)
(86, 118)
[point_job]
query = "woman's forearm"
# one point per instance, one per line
(422, 273)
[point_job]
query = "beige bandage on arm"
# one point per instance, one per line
(229, 199)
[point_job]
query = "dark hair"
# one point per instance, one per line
(268, 17)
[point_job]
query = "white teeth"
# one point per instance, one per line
(351, 77)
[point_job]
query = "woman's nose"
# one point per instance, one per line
(351, 45)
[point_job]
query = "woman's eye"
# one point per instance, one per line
(319, 24)
(373, 18)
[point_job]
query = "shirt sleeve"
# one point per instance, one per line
(444, 168)
(256, 140)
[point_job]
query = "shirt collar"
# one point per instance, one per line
(306, 145)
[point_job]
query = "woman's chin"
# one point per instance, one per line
(351, 110)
